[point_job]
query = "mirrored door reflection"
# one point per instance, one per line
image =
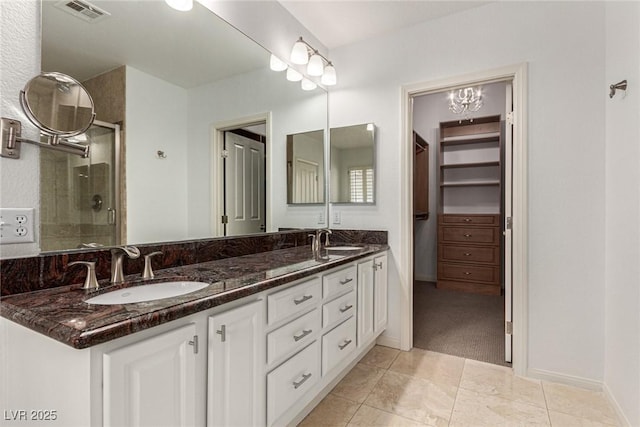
(79, 196)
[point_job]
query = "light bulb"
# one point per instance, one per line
(276, 64)
(181, 5)
(315, 67)
(299, 53)
(293, 75)
(308, 84)
(329, 77)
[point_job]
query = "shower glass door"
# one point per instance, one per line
(79, 198)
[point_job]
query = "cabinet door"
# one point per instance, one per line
(235, 376)
(152, 382)
(365, 301)
(380, 300)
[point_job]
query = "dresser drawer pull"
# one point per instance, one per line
(303, 299)
(305, 377)
(467, 220)
(467, 254)
(467, 235)
(345, 281)
(466, 273)
(344, 345)
(304, 333)
(346, 308)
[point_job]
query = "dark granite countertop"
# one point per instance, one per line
(62, 313)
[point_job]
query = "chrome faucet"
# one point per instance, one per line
(316, 240)
(117, 255)
(148, 269)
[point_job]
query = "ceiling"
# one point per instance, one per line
(337, 23)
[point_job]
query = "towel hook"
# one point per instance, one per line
(622, 85)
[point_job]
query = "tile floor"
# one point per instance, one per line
(422, 388)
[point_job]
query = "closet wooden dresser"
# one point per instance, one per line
(470, 206)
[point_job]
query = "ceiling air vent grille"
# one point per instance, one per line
(83, 10)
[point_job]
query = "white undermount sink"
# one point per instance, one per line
(343, 248)
(149, 292)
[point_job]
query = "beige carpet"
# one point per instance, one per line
(457, 323)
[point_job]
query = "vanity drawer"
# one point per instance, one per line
(291, 380)
(481, 254)
(339, 309)
(337, 344)
(283, 304)
(485, 235)
(339, 281)
(295, 334)
(455, 219)
(469, 273)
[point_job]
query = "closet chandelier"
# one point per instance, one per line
(317, 65)
(465, 101)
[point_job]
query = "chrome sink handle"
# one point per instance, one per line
(148, 270)
(117, 255)
(90, 282)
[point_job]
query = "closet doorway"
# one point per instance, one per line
(503, 224)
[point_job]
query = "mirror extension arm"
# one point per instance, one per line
(10, 131)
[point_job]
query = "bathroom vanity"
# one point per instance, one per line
(261, 345)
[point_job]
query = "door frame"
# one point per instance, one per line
(517, 73)
(217, 172)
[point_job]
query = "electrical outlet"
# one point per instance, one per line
(16, 225)
(336, 217)
(321, 218)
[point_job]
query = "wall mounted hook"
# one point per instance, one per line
(622, 85)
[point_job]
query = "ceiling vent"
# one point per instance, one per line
(83, 10)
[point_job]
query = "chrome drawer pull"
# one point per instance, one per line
(345, 281)
(305, 377)
(304, 333)
(467, 235)
(303, 299)
(343, 346)
(346, 308)
(222, 332)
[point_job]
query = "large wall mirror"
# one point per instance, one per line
(174, 93)
(305, 168)
(353, 164)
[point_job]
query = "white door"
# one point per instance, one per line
(508, 212)
(305, 181)
(151, 383)
(244, 185)
(365, 302)
(236, 390)
(380, 300)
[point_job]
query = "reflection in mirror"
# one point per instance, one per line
(305, 167)
(170, 80)
(353, 164)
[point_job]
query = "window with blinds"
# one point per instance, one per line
(361, 185)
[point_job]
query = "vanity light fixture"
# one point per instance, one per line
(317, 65)
(181, 5)
(329, 76)
(299, 53)
(276, 64)
(465, 101)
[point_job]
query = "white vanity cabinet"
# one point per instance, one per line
(152, 382)
(235, 386)
(372, 297)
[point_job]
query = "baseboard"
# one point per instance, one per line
(388, 341)
(622, 418)
(571, 380)
(424, 279)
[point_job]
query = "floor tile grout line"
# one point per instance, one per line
(455, 400)
(546, 403)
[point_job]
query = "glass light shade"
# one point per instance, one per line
(308, 84)
(181, 5)
(293, 75)
(276, 64)
(299, 53)
(329, 77)
(315, 67)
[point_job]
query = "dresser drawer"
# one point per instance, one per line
(295, 299)
(339, 281)
(339, 309)
(291, 380)
(485, 235)
(482, 254)
(474, 219)
(337, 344)
(293, 335)
(469, 273)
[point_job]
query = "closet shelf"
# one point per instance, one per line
(470, 165)
(471, 184)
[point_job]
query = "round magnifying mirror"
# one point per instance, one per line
(57, 104)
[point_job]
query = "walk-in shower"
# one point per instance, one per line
(80, 197)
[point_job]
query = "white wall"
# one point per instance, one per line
(19, 62)
(563, 42)
(156, 119)
(428, 112)
(622, 302)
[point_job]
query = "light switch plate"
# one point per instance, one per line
(336, 217)
(16, 225)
